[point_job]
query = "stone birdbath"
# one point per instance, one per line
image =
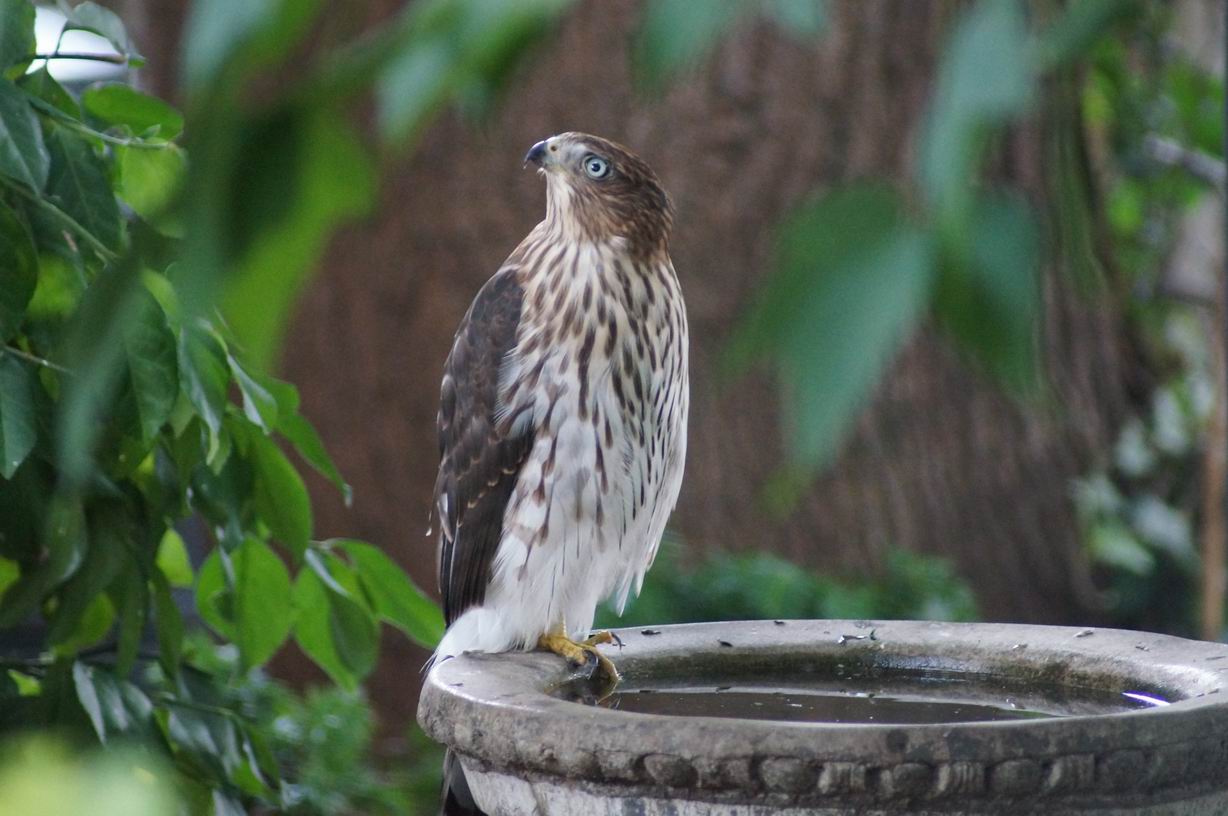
(846, 717)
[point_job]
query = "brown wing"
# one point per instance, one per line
(479, 458)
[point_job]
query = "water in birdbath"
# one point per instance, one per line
(898, 699)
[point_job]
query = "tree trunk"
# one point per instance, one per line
(941, 462)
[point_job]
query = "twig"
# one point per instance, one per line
(114, 59)
(1202, 166)
(30, 358)
(1214, 475)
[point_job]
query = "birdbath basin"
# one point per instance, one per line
(846, 717)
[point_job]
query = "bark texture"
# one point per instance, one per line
(941, 461)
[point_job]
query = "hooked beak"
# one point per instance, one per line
(536, 154)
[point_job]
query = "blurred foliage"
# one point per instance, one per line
(860, 268)
(677, 35)
(42, 776)
(756, 586)
(134, 414)
(325, 738)
(1140, 507)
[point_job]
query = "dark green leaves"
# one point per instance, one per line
(127, 406)
(151, 367)
(114, 707)
(16, 32)
(205, 377)
(23, 155)
(854, 278)
(18, 271)
(17, 432)
(79, 184)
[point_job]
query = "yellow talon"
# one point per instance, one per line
(583, 653)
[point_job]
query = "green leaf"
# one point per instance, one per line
(674, 35)
(205, 378)
(59, 289)
(803, 18)
(94, 352)
(42, 85)
(89, 16)
(64, 541)
(263, 618)
(1072, 35)
(78, 181)
(133, 603)
(23, 154)
(149, 180)
(150, 359)
(90, 626)
(454, 50)
(300, 433)
(17, 428)
(169, 623)
(1113, 543)
(104, 559)
(986, 77)
(853, 279)
(18, 272)
(259, 404)
(172, 559)
(215, 596)
(394, 596)
(119, 104)
(991, 304)
(280, 496)
(299, 179)
(243, 34)
(16, 32)
(115, 707)
(335, 631)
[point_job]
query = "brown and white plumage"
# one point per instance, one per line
(563, 410)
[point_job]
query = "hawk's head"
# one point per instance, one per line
(598, 190)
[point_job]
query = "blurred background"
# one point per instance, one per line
(954, 274)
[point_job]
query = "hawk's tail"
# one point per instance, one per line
(455, 798)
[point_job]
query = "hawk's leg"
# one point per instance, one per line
(583, 653)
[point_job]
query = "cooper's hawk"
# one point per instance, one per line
(563, 413)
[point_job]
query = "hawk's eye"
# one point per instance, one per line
(596, 167)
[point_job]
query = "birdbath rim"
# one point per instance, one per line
(502, 716)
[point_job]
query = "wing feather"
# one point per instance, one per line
(480, 454)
